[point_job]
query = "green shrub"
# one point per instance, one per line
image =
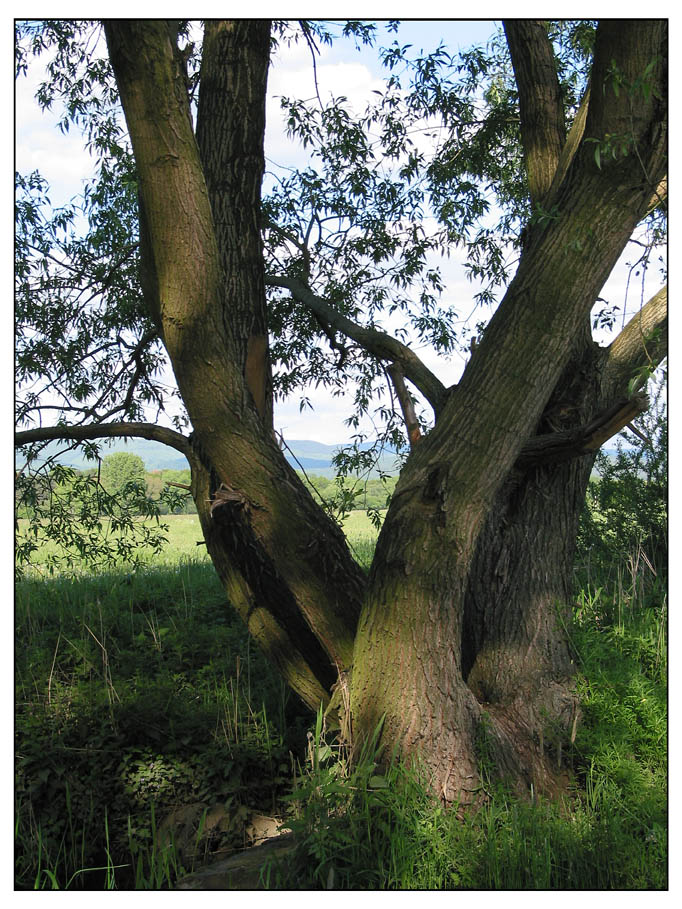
(624, 522)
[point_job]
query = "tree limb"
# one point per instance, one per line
(615, 109)
(302, 247)
(642, 343)
(541, 111)
(406, 403)
(571, 145)
(378, 343)
(660, 196)
(562, 446)
(106, 431)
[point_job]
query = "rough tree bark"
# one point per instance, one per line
(456, 637)
(469, 554)
(285, 565)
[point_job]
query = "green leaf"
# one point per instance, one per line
(378, 782)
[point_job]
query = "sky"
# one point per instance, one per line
(341, 69)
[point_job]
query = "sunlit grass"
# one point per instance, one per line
(139, 691)
(185, 542)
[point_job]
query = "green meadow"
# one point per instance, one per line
(152, 738)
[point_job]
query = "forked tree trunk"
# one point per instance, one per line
(285, 564)
(452, 661)
(456, 640)
(516, 656)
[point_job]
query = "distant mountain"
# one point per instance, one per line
(313, 457)
(316, 458)
(155, 455)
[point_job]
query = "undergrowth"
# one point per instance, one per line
(148, 730)
(138, 695)
(136, 698)
(360, 830)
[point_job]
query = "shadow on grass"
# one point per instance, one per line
(138, 692)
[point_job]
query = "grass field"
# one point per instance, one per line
(150, 734)
(185, 541)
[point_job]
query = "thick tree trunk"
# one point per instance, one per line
(285, 564)
(456, 639)
(516, 659)
(408, 667)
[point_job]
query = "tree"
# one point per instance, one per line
(121, 469)
(457, 635)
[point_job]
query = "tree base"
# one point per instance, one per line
(525, 742)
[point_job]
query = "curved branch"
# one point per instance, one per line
(106, 431)
(542, 117)
(378, 343)
(642, 343)
(406, 404)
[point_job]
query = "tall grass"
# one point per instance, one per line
(139, 697)
(137, 693)
(358, 830)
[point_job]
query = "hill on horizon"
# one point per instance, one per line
(303, 454)
(306, 454)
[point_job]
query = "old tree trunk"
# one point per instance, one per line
(457, 633)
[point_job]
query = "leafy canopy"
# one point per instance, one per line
(430, 168)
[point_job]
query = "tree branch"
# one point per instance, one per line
(378, 343)
(302, 247)
(542, 118)
(406, 403)
(625, 49)
(642, 343)
(106, 431)
(562, 446)
(571, 145)
(660, 196)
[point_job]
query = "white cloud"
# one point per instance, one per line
(61, 158)
(292, 76)
(325, 423)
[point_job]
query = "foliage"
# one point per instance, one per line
(121, 469)
(99, 660)
(87, 524)
(137, 693)
(345, 494)
(624, 521)
(81, 326)
(366, 222)
(362, 830)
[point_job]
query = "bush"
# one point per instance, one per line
(120, 470)
(624, 522)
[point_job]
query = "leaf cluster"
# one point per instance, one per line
(82, 523)
(625, 518)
